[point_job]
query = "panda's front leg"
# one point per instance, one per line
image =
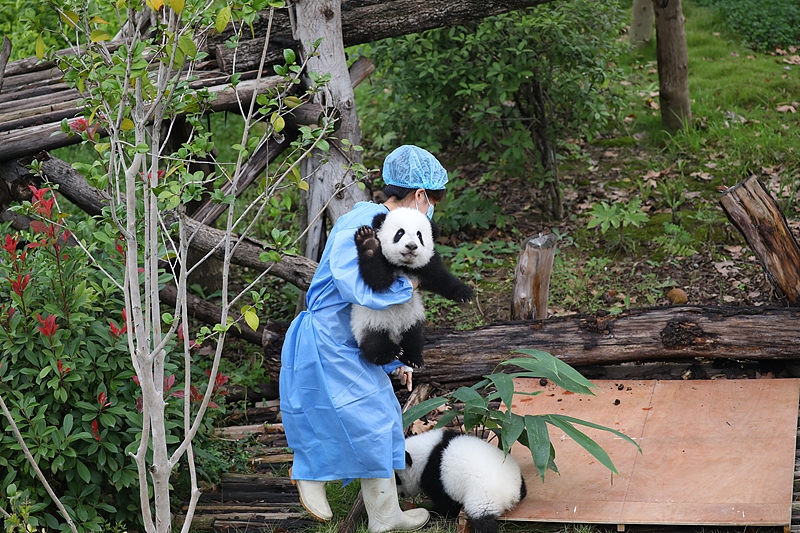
(412, 343)
(377, 347)
(372, 265)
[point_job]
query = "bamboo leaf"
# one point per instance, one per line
(538, 443)
(421, 409)
(505, 388)
(544, 365)
(582, 439)
(512, 429)
(598, 426)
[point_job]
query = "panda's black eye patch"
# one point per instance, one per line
(399, 235)
(419, 236)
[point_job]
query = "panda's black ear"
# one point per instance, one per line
(408, 460)
(436, 230)
(377, 222)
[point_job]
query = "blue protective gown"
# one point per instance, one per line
(340, 414)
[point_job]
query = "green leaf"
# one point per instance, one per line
(223, 18)
(177, 6)
(564, 424)
(289, 56)
(542, 364)
(187, 46)
(40, 47)
(250, 316)
(68, 423)
(83, 472)
(421, 409)
(505, 387)
(98, 36)
(277, 122)
(512, 429)
(538, 443)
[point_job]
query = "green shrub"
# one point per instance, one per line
(66, 376)
(506, 88)
(763, 25)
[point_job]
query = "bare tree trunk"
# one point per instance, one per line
(673, 65)
(330, 176)
(642, 23)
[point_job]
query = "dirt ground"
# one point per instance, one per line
(724, 272)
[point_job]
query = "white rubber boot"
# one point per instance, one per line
(314, 498)
(383, 508)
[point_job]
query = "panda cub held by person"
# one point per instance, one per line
(455, 471)
(399, 243)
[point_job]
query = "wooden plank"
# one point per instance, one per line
(715, 452)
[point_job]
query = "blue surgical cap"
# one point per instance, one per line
(413, 167)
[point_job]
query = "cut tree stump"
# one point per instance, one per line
(755, 213)
(532, 278)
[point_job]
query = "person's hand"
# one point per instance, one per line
(405, 373)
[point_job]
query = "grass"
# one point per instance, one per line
(728, 83)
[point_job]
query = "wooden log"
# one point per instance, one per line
(532, 278)
(30, 140)
(754, 212)
(364, 21)
(5, 53)
(8, 100)
(640, 335)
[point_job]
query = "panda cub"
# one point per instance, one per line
(455, 471)
(399, 243)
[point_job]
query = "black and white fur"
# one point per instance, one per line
(399, 243)
(455, 471)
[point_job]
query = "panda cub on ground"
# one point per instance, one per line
(455, 471)
(399, 243)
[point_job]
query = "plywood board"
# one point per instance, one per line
(714, 452)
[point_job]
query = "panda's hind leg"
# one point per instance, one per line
(377, 347)
(484, 524)
(412, 343)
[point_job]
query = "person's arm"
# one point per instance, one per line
(350, 284)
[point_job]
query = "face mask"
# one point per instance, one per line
(429, 214)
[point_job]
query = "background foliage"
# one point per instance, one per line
(508, 88)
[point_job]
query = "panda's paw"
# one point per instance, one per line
(414, 361)
(367, 241)
(464, 294)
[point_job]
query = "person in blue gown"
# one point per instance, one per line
(340, 413)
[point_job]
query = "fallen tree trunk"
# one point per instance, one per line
(364, 21)
(640, 335)
(755, 213)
